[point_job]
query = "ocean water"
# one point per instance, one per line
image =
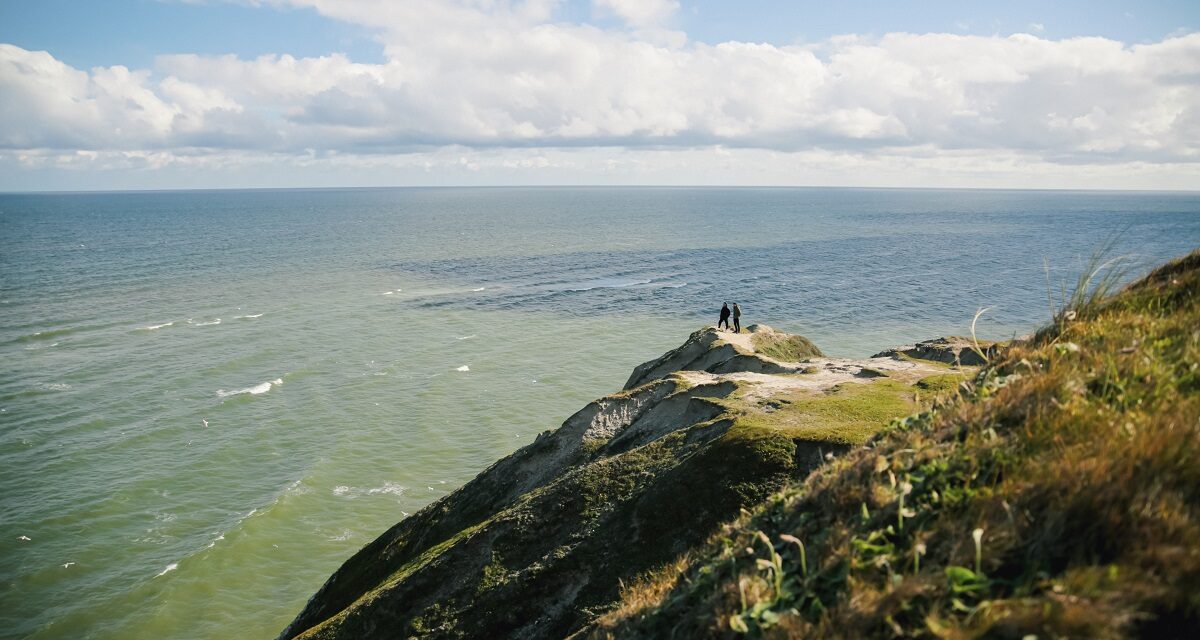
(209, 400)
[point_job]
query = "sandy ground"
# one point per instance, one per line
(818, 374)
(738, 339)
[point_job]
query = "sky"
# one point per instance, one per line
(168, 94)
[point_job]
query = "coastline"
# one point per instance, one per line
(628, 482)
(825, 494)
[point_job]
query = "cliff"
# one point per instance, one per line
(540, 543)
(749, 485)
(1056, 494)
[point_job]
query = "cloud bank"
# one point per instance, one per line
(497, 82)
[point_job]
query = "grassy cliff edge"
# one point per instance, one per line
(1057, 496)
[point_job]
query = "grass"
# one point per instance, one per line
(784, 347)
(849, 413)
(1057, 496)
(943, 384)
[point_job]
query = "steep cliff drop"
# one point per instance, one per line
(539, 544)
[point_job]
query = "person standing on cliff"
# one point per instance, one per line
(737, 318)
(724, 316)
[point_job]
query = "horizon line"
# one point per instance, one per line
(4, 192)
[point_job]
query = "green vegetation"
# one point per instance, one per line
(784, 347)
(1058, 495)
(942, 384)
(848, 413)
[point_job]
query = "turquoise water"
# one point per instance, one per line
(182, 477)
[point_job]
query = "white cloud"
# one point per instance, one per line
(925, 167)
(640, 13)
(1037, 27)
(488, 75)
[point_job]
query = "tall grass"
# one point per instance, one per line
(1098, 279)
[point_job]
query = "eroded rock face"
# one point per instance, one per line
(537, 544)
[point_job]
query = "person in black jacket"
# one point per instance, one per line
(724, 316)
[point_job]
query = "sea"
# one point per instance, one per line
(210, 399)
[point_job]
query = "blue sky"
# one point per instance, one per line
(160, 94)
(133, 32)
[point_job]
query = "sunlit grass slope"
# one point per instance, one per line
(1055, 494)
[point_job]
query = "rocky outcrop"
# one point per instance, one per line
(952, 350)
(758, 349)
(539, 543)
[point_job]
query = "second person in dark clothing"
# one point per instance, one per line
(737, 318)
(724, 316)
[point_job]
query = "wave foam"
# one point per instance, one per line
(388, 488)
(35, 347)
(603, 283)
(217, 539)
(256, 315)
(257, 389)
(463, 368)
(206, 324)
(171, 567)
(158, 326)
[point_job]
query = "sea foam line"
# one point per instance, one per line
(257, 389)
(388, 488)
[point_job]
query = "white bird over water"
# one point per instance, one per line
(25, 538)
(204, 421)
(67, 565)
